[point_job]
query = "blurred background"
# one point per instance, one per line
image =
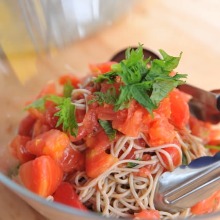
(40, 39)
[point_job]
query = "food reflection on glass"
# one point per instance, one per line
(102, 142)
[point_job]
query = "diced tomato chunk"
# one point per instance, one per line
(71, 78)
(72, 160)
(147, 214)
(143, 172)
(39, 128)
(100, 68)
(175, 155)
(26, 125)
(105, 112)
(65, 194)
(41, 175)
(132, 123)
(160, 132)
(99, 140)
(51, 143)
(98, 162)
(49, 116)
(90, 125)
(164, 108)
(179, 109)
(19, 151)
(208, 205)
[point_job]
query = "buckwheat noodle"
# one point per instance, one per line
(119, 192)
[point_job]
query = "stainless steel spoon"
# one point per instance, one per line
(187, 185)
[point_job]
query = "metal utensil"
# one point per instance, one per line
(187, 185)
(204, 105)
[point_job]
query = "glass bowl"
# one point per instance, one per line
(13, 95)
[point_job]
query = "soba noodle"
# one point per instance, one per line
(119, 192)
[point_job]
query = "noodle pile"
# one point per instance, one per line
(119, 192)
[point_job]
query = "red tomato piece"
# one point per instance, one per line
(19, 151)
(98, 140)
(132, 123)
(49, 116)
(175, 155)
(164, 108)
(160, 132)
(100, 68)
(90, 125)
(65, 194)
(26, 126)
(41, 175)
(179, 109)
(80, 114)
(72, 160)
(69, 77)
(208, 205)
(51, 143)
(105, 112)
(98, 162)
(147, 214)
(143, 172)
(39, 128)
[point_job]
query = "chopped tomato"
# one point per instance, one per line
(208, 205)
(51, 143)
(147, 214)
(69, 77)
(72, 160)
(18, 147)
(41, 175)
(131, 125)
(49, 116)
(131, 154)
(143, 172)
(105, 112)
(90, 125)
(80, 114)
(101, 67)
(65, 194)
(160, 132)
(80, 134)
(179, 109)
(98, 162)
(35, 113)
(164, 108)
(99, 140)
(175, 155)
(26, 125)
(214, 138)
(39, 128)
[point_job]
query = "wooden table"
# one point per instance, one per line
(192, 27)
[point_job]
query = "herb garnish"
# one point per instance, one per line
(109, 97)
(65, 113)
(213, 147)
(67, 89)
(106, 125)
(132, 165)
(146, 81)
